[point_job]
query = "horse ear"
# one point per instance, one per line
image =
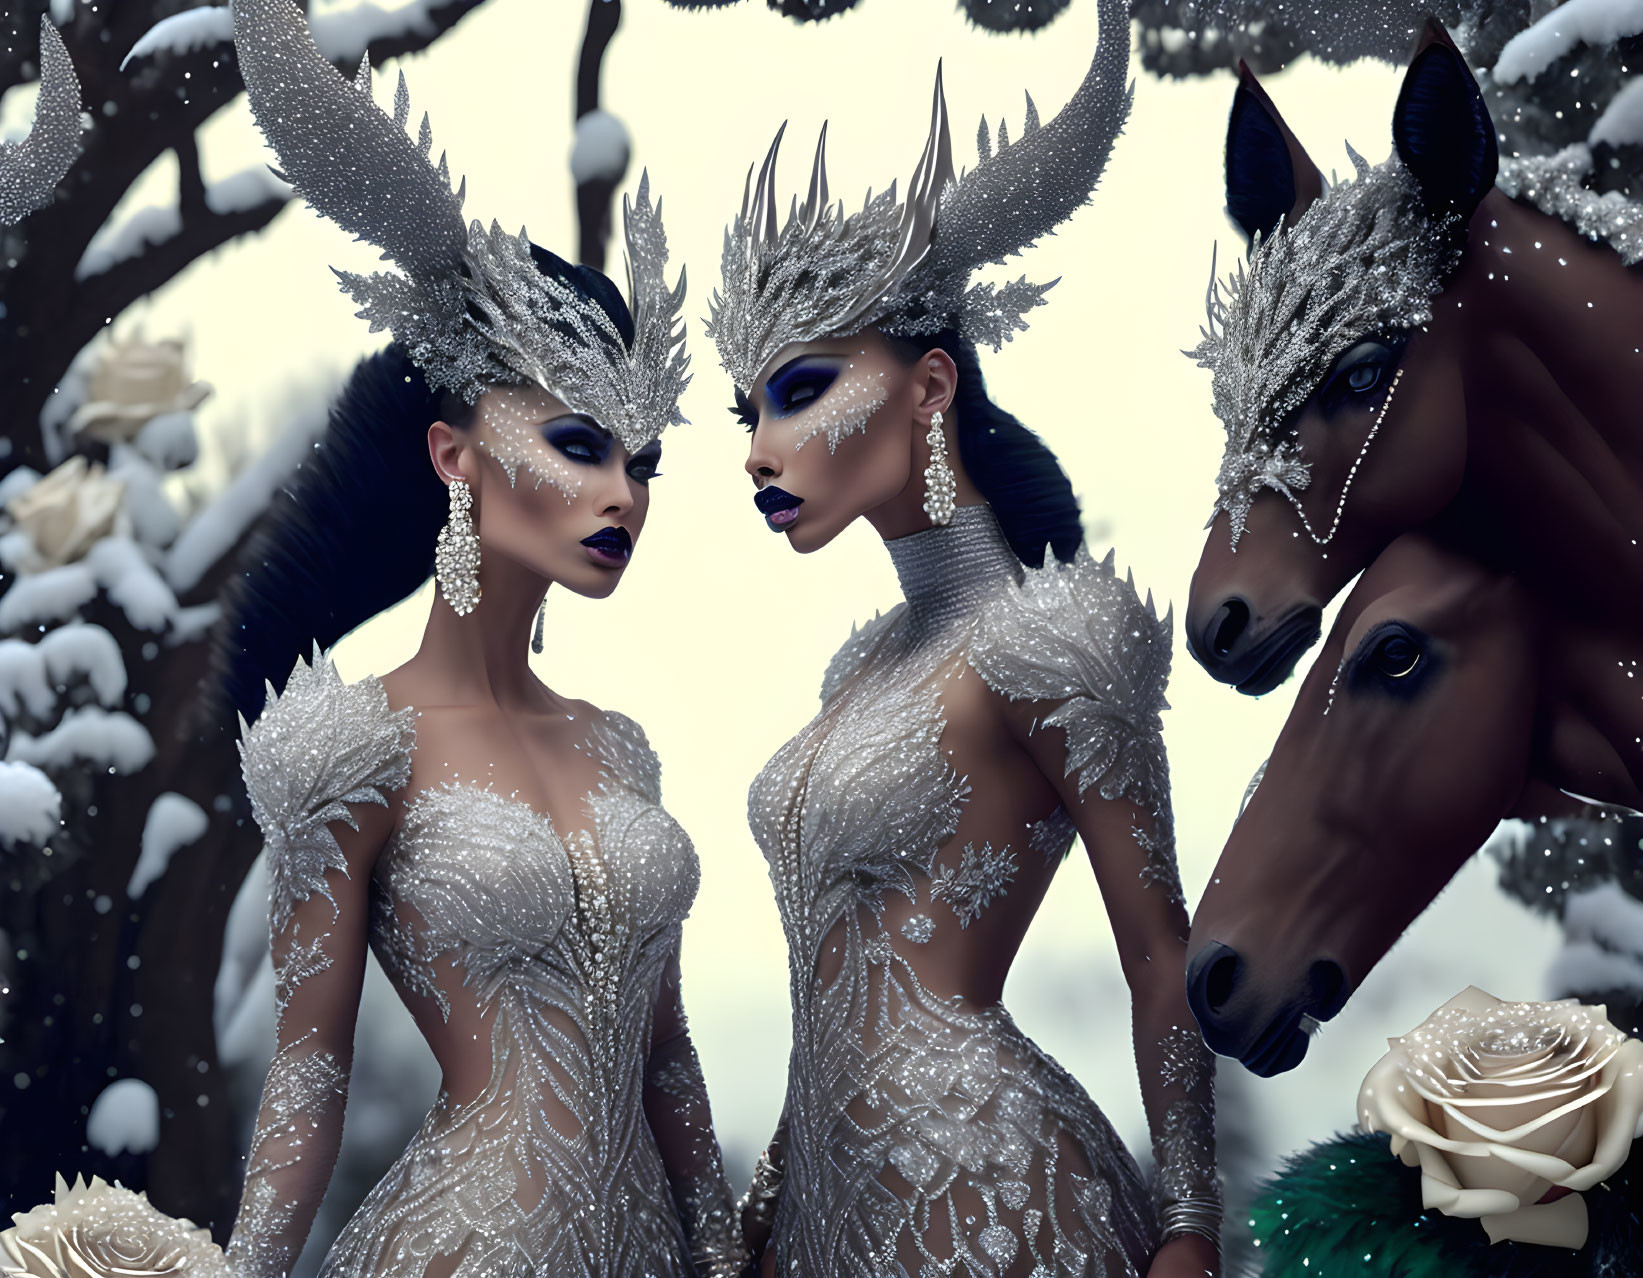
(1442, 128)
(1270, 177)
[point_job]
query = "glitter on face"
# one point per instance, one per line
(845, 409)
(512, 433)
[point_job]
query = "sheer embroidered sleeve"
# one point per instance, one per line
(1083, 663)
(676, 1106)
(319, 765)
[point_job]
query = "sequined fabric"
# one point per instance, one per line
(31, 169)
(563, 945)
(927, 1135)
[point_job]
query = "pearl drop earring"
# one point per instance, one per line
(456, 554)
(940, 488)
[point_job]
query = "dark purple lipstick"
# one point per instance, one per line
(778, 506)
(610, 547)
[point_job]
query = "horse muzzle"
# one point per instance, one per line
(1234, 645)
(1268, 1037)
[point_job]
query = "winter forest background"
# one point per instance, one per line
(169, 337)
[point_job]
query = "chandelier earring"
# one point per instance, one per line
(456, 555)
(541, 626)
(940, 488)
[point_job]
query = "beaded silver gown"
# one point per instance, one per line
(561, 942)
(926, 1135)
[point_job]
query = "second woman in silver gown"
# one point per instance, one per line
(964, 739)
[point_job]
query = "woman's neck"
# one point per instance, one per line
(484, 656)
(947, 571)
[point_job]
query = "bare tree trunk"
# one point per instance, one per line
(98, 986)
(47, 315)
(594, 198)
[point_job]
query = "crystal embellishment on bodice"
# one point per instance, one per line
(927, 1135)
(555, 944)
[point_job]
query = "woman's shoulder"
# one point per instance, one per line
(624, 750)
(319, 724)
(319, 745)
(864, 640)
(1079, 636)
(1074, 629)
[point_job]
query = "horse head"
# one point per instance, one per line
(1444, 700)
(1337, 367)
(1410, 739)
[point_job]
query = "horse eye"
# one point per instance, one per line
(1364, 377)
(1397, 656)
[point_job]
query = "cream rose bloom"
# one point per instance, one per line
(103, 1231)
(1501, 1103)
(134, 382)
(67, 511)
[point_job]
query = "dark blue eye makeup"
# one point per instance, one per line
(642, 467)
(799, 383)
(579, 439)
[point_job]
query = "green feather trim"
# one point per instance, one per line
(1347, 1207)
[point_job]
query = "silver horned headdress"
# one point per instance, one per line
(31, 169)
(469, 304)
(906, 267)
(1365, 257)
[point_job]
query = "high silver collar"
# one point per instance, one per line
(949, 571)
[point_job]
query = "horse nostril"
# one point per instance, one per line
(1212, 980)
(1221, 981)
(1227, 626)
(1327, 979)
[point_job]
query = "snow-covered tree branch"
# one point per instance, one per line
(65, 273)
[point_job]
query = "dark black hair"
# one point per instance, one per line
(352, 531)
(1014, 469)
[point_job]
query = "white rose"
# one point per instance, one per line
(134, 382)
(103, 1231)
(1501, 1104)
(66, 512)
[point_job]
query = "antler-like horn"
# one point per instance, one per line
(931, 178)
(766, 226)
(815, 203)
(31, 169)
(343, 155)
(1026, 190)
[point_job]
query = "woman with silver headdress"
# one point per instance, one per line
(500, 846)
(913, 827)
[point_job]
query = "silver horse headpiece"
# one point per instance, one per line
(1365, 257)
(906, 267)
(470, 305)
(31, 169)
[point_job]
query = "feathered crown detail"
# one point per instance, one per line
(31, 169)
(468, 303)
(906, 267)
